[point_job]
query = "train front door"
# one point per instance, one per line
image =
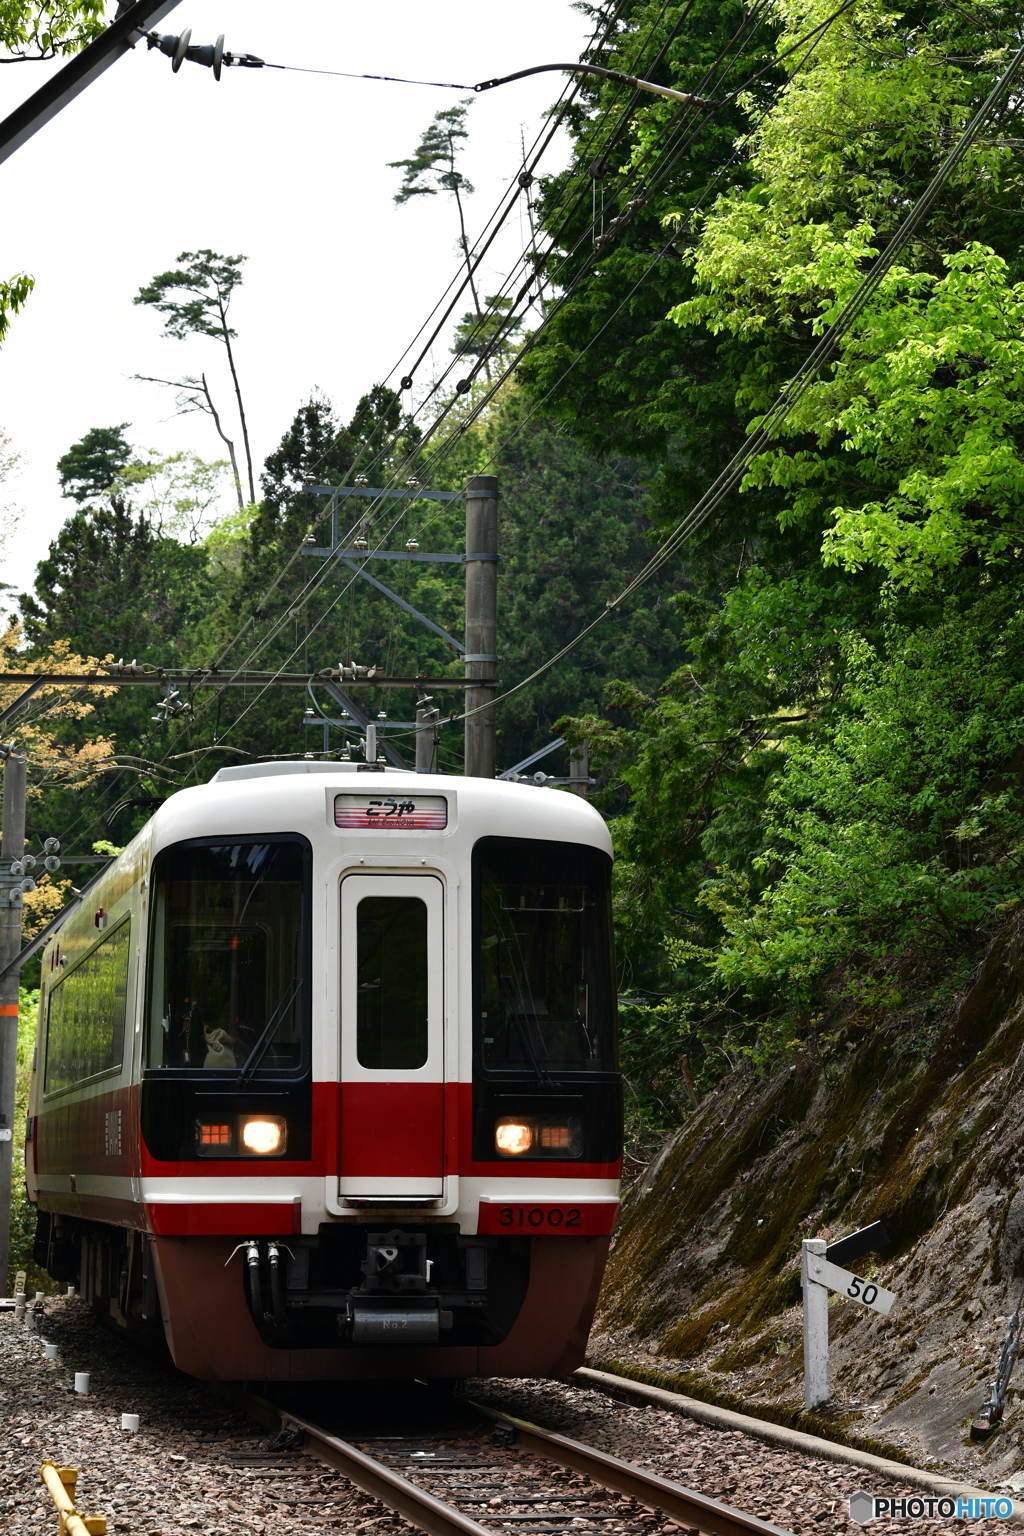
(392, 1037)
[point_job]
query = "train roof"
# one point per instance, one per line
(299, 797)
(291, 796)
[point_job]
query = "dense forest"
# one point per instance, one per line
(806, 727)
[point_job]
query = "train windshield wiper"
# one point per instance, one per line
(273, 1024)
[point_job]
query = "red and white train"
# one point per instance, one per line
(325, 1079)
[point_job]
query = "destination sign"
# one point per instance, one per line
(395, 813)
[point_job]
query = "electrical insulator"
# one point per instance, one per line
(412, 544)
(51, 864)
(51, 845)
(17, 868)
(361, 543)
(310, 539)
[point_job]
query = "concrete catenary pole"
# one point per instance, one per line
(579, 770)
(481, 621)
(13, 846)
(816, 1389)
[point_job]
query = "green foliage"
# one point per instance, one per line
(13, 295)
(829, 789)
(89, 468)
(194, 298)
(900, 826)
(432, 168)
(23, 1214)
(492, 334)
(30, 30)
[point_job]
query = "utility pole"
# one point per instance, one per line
(12, 847)
(481, 622)
(579, 770)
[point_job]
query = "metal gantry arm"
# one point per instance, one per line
(353, 565)
(363, 720)
(534, 757)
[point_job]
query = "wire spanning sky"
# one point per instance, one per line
(289, 169)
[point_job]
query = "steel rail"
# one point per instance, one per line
(684, 1505)
(694, 1511)
(414, 1504)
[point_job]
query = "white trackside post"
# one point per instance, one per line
(815, 1329)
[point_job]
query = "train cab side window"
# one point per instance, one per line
(85, 1015)
(391, 1008)
(228, 956)
(545, 998)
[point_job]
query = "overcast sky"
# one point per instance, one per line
(289, 169)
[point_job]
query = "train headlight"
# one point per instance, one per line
(539, 1136)
(512, 1138)
(264, 1135)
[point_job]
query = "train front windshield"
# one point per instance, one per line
(546, 998)
(228, 956)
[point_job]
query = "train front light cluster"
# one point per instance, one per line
(538, 1136)
(242, 1136)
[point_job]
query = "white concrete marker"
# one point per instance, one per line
(49, 1351)
(130, 1421)
(82, 1382)
(815, 1325)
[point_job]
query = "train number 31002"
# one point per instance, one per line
(544, 1219)
(539, 1216)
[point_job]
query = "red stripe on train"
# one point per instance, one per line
(209, 1218)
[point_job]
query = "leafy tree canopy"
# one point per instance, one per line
(30, 30)
(432, 168)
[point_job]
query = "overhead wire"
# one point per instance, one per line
(461, 281)
(543, 139)
(318, 580)
(417, 449)
(314, 585)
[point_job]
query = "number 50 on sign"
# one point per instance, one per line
(848, 1284)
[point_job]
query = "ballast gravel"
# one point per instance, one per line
(802, 1494)
(175, 1475)
(197, 1465)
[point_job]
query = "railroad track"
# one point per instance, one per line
(501, 1475)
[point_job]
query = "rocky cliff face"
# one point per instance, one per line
(913, 1118)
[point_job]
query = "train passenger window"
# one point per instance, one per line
(545, 998)
(228, 956)
(85, 1015)
(391, 1008)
